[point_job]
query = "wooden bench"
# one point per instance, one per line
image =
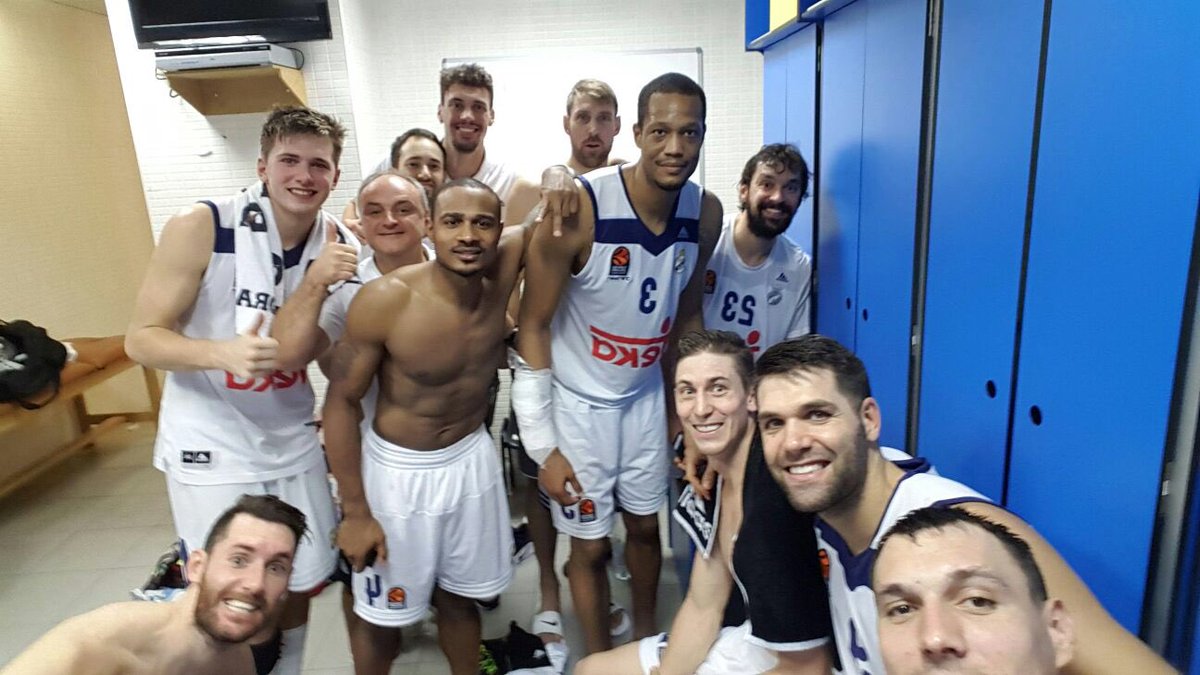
(99, 360)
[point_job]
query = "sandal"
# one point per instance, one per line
(546, 622)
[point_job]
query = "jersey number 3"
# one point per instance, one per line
(646, 303)
(730, 307)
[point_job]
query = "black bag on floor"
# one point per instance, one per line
(30, 364)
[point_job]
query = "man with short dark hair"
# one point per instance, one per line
(425, 511)
(466, 111)
(758, 282)
(232, 420)
(957, 592)
(604, 300)
(820, 431)
(239, 585)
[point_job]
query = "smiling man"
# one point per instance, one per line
(466, 114)
(239, 585)
(233, 421)
(959, 593)
(602, 304)
(820, 432)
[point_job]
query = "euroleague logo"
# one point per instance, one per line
(397, 598)
(632, 352)
(618, 266)
(823, 558)
(710, 282)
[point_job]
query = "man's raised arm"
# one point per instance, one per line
(1102, 646)
(548, 267)
(169, 290)
(297, 324)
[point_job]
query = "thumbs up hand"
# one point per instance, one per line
(249, 354)
(336, 262)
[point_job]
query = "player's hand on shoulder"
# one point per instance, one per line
(249, 354)
(359, 537)
(560, 198)
(336, 262)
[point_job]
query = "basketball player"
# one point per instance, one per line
(959, 593)
(466, 113)
(416, 153)
(425, 511)
(239, 583)
(233, 422)
(758, 282)
(820, 431)
(591, 122)
(712, 399)
(604, 299)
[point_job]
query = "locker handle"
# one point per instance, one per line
(990, 387)
(1035, 414)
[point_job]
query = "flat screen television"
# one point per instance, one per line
(168, 23)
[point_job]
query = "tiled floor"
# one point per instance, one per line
(86, 534)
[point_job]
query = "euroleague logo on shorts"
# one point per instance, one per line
(620, 350)
(397, 598)
(587, 511)
(618, 266)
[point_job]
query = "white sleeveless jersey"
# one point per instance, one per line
(765, 304)
(851, 599)
(612, 323)
(215, 428)
(500, 177)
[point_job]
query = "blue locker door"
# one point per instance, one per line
(891, 132)
(801, 120)
(987, 88)
(1113, 219)
(842, 53)
(774, 100)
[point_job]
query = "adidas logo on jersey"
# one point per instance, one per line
(782, 277)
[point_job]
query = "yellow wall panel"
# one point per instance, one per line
(782, 11)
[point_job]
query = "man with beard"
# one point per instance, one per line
(758, 282)
(425, 512)
(602, 304)
(239, 585)
(591, 123)
(466, 112)
(820, 434)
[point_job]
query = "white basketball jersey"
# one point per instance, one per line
(765, 304)
(851, 599)
(500, 177)
(215, 428)
(613, 321)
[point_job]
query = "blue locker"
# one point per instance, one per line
(1113, 219)
(891, 131)
(801, 55)
(842, 62)
(987, 90)
(774, 98)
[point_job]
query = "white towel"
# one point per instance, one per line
(259, 255)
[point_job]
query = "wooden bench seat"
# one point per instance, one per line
(99, 360)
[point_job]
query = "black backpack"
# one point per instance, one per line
(30, 363)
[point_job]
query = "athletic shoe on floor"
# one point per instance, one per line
(522, 544)
(169, 578)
